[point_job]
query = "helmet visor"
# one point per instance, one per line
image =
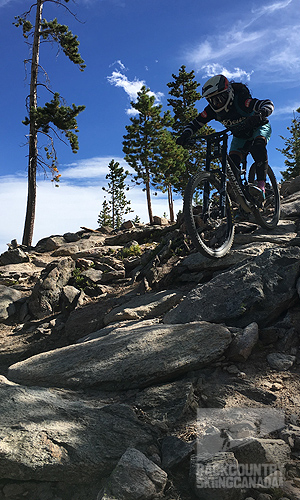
(219, 100)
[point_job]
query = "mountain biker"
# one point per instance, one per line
(231, 104)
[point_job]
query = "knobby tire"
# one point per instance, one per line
(210, 234)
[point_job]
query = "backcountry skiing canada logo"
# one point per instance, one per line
(221, 435)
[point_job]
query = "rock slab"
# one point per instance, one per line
(146, 306)
(126, 359)
(256, 291)
(48, 434)
(8, 299)
(135, 477)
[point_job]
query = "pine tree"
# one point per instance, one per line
(54, 118)
(104, 218)
(184, 97)
(183, 102)
(117, 206)
(292, 150)
(172, 163)
(140, 144)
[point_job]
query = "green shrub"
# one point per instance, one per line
(79, 280)
(132, 251)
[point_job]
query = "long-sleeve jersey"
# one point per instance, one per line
(242, 107)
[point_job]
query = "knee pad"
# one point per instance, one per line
(259, 150)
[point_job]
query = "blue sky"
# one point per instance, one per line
(127, 44)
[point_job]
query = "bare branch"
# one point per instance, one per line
(28, 12)
(57, 2)
(55, 133)
(46, 87)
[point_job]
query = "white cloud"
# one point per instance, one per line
(215, 69)
(67, 208)
(224, 47)
(270, 48)
(58, 210)
(119, 63)
(286, 55)
(273, 7)
(287, 110)
(132, 112)
(131, 87)
(91, 168)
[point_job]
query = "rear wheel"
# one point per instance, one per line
(267, 216)
(211, 234)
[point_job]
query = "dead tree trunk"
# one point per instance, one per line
(148, 195)
(33, 150)
(171, 204)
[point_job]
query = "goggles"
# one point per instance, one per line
(219, 100)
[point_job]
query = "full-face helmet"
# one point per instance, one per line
(219, 93)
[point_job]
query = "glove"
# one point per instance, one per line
(264, 112)
(255, 121)
(184, 137)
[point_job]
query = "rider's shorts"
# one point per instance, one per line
(238, 144)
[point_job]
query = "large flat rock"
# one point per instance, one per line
(146, 306)
(256, 291)
(125, 358)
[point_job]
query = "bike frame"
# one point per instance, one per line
(210, 221)
(216, 148)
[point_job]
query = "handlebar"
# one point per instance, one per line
(215, 134)
(242, 129)
(193, 140)
(236, 129)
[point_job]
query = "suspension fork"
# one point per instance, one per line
(216, 147)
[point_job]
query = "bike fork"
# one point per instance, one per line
(213, 151)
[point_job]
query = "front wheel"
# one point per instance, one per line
(211, 233)
(267, 216)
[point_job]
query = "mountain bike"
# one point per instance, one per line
(213, 196)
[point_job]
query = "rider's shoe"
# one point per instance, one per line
(257, 193)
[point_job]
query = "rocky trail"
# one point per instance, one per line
(134, 368)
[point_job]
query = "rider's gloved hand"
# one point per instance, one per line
(256, 120)
(264, 112)
(183, 139)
